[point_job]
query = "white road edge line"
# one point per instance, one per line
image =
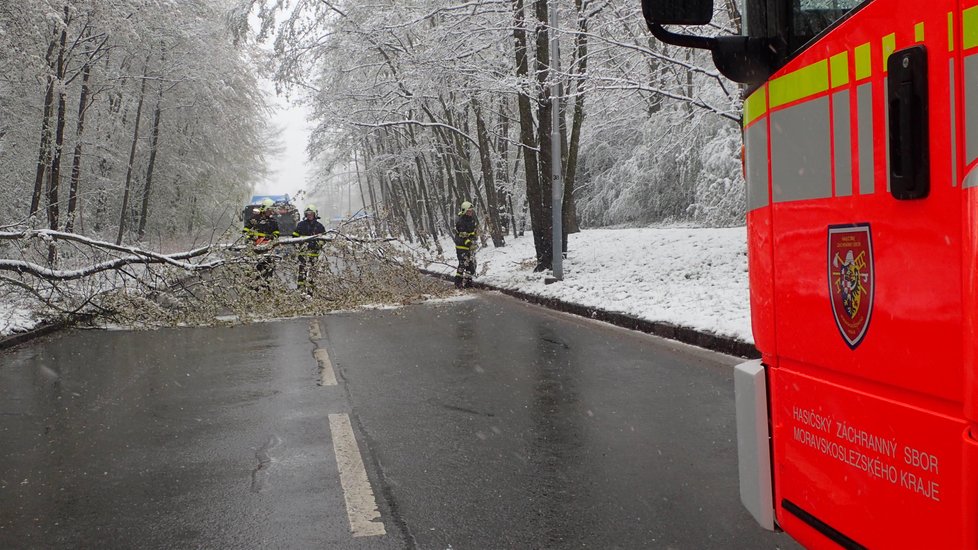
(326, 375)
(361, 507)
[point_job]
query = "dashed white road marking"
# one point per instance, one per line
(314, 332)
(361, 507)
(326, 375)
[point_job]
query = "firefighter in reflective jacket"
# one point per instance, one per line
(261, 231)
(466, 227)
(308, 227)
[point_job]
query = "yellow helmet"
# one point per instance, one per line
(267, 203)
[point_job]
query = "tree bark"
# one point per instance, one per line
(54, 176)
(363, 197)
(44, 150)
(503, 183)
(154, 144)
(423, 187)
(527, 139)
(83, 105)
(545, 104)
(396, 197)
(132, 156)
(412, 199)
(577, 121)
(488, 178)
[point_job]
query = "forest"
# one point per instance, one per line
(432, 104)
(146, 123)
(133, 118)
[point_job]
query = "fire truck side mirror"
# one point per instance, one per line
(678, 12)
(744, 59)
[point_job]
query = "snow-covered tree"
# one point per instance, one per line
(447, 101)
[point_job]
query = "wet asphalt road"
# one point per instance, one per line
(482, 423)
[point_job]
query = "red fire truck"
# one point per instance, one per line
(858, 427)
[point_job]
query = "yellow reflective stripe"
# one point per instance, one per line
(918, 32)
(889, 46)
(969, 20)
(755, 105)
(864, 68)
(460, 247)
(839, 69)
(950, 31)
(804, 82)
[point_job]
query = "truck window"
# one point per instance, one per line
(810, 17)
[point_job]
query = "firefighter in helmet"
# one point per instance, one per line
(308, 227)
(261, 230)
(466, 230)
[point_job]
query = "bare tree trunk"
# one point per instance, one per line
(435, 192)
(545, 104)
(83, 105)
(132, 156)
(409, 192)
(468, 187)
(363, 198)
(444, 199)
(368, 156)
(106, 161)
(154, 143)
(54, 176)
(689, 83)
(655, 73)
(488, 177)
(425, 198)
(395, 196)
(503, 184)
(44, 150)
(733, 12)
(578, 77)
(527, 139)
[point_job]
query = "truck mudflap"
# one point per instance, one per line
(754, 442)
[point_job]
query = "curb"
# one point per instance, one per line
(18, 338)
(686, 335)
(45, 328)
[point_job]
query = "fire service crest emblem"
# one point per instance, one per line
(851, 280)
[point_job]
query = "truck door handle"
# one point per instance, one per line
(909, 134)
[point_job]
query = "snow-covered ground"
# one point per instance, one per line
(690, 277)
(14, 317)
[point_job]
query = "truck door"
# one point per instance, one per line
(861, 213)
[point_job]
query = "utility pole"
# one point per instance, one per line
(558, 181)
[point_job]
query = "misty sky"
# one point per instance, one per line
(288, 171)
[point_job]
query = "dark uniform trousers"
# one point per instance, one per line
(262, 231)
(465, 244)
(308, 256)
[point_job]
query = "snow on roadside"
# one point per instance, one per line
(691, 277)
(16, 316)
